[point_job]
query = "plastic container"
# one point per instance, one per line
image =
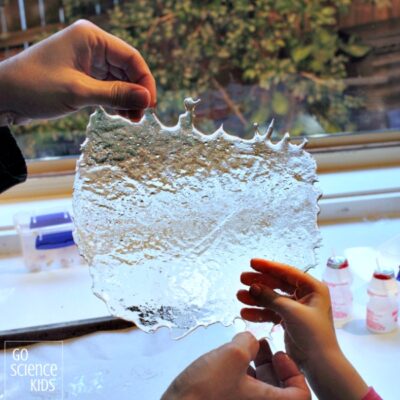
(46, 240)
(338, 278)
(382, 307)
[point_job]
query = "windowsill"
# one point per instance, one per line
(65, 294)
(53, 296)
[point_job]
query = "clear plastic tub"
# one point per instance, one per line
(46, 239)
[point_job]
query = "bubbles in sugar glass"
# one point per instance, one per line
(168, 217)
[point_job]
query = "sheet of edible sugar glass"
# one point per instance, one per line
(168, 217)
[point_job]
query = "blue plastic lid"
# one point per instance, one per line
(56, 240)
(40, 221)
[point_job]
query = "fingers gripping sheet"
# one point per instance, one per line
(168, 217)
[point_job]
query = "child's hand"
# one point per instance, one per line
(305, 312)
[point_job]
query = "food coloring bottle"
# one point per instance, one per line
(382, 307)
(338, 278)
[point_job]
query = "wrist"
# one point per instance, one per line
(329, 355)
(333, 377)
(309, 359)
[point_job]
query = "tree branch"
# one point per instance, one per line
(230, 103)
(154, 25)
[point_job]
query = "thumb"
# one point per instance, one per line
(294, 385)
(266, 297)
(115, 94)
(244, 349)
(288, 372)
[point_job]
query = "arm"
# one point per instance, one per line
(332, 377)
(79, 66)
(224, 373)
(307, 319)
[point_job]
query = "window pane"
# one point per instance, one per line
(316, 67)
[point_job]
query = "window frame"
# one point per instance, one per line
(53, 177)
(373, 149)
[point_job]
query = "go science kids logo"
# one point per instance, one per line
(33, 370)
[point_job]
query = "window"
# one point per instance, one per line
(319, 68)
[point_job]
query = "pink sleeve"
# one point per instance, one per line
(372, 395)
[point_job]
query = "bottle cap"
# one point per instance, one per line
(384, 275)
(383, 283)
(337, 262)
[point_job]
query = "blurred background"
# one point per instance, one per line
(320, 67)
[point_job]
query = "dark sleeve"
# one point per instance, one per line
(12, 163)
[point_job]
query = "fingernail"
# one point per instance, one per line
(255, 290)
(140, 98)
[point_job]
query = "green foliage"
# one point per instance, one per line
(289, 48)
(354, 49)
(287, 55)
(53, 137)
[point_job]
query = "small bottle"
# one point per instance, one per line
(337, 277)
(382, 307)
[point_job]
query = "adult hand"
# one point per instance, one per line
(306, 315)
(79, 66)
(224, 373)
